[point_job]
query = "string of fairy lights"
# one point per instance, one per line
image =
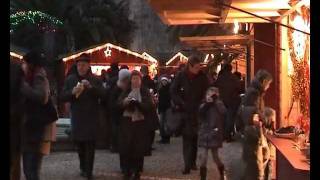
(43, 21)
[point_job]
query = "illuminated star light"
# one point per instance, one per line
(107, 52)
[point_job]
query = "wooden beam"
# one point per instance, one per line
(189, 15)
(190, 22)
(216, 38)
(245, 20)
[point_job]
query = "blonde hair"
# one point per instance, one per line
(269, 112)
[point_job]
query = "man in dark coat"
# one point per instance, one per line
(187, 91)
(16, 118)
(229, 88)
(83, 91)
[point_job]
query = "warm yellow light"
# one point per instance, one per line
(182, 58)
(236, 26)
(16, 55)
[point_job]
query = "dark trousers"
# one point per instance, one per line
(132, 164)
(230, 120)
(189, 150)
(32, 165)
(15, 165)
(86, 151)
(164, 136)
(114, 136)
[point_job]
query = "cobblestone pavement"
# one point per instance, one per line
(165, 163)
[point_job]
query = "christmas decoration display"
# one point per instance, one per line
(44, 22)
(299, 45)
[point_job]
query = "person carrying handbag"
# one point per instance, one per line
(41, 115)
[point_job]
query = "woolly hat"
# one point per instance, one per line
(123, 74)
(164, 79)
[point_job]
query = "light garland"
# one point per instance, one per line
(182, 57)
(152, 59)
(16, 55)
(44, 21)
(108, 45)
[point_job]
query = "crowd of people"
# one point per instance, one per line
(136, 106)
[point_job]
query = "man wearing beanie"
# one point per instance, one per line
(116, 113)
(83, 90)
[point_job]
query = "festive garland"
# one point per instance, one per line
(44, 21)
(300, 77)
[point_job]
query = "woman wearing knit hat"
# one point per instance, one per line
(135, 126)
(116, 112)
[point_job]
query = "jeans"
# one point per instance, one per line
(189, 144)
(86, 151)
(163, 133)
(32, 165)
(204, 156)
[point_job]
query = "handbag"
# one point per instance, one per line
(42, 115)
(174, 121)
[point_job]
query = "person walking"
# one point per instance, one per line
(83, 91)
(116, 112)
(187, 90)
(229, 88)
(148, 83)
(163, 106)
(253, 146)
(17, 117)
(38, 128)
(211, 118)
(134, 143)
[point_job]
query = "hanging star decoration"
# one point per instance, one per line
(107, 52)
(44, 22)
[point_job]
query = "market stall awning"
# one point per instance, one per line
(106, 54)
(17, 52)
(177, 12)
(210, 44)
(177, 59)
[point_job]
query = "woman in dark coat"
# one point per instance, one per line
(253, 103)
(16, 118)
(36, 134)
(134, 142)
(210, 135)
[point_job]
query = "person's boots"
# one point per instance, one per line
(186, 171)
(222, 172)
(203, 173)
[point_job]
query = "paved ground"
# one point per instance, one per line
(165, 163)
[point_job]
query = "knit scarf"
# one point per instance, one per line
(136, 115)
